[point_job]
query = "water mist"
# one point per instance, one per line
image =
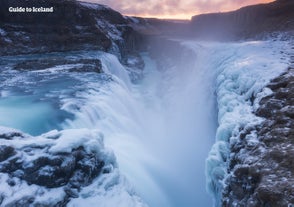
(160, 129)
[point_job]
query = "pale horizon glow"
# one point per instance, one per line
(174, 9)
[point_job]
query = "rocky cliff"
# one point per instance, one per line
(246, 23)
(261, 173)
(71, 26)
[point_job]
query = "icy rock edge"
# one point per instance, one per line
(61, 168)
(242, 84)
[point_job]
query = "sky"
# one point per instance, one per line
(174, 9)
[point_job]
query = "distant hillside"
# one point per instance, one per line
(247, 22)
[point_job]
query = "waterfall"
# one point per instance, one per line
(171, 131)
(160, 129)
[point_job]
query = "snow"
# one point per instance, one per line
(20, 189)
(241, 69)
(244, 69)
(111, 30)
(58, 68)
(93, 6)
(73, 138)
(133, 19)
(2, 32)
(6, 39)
(61, 141)
(109, 189)
(8, 131)
(108, 28)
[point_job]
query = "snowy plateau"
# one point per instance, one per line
(97, 119)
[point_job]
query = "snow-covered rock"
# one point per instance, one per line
(261, 160)
(72, 26)
(244, 70)
(60, 168)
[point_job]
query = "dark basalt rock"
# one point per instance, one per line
(72, 26)
(10, 135)
(24, 201)
(46, 30)
(70, 170)
(77, 168)
(262, 176)
(6, 152)
(45, 62)
(88, 66)
(251, 22)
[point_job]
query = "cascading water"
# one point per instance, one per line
(160, 129)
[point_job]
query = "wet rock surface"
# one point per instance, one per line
(261, 172)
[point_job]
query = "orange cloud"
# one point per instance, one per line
(176, 9)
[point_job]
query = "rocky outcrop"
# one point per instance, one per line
(45, 62)
(56, 161)
(72, 26)
(261, 173)
(256, 21)
(251, 22)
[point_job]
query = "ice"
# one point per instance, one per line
(244, 69)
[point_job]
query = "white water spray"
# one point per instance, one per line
(160, 129)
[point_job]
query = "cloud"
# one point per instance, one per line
(174, 8)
